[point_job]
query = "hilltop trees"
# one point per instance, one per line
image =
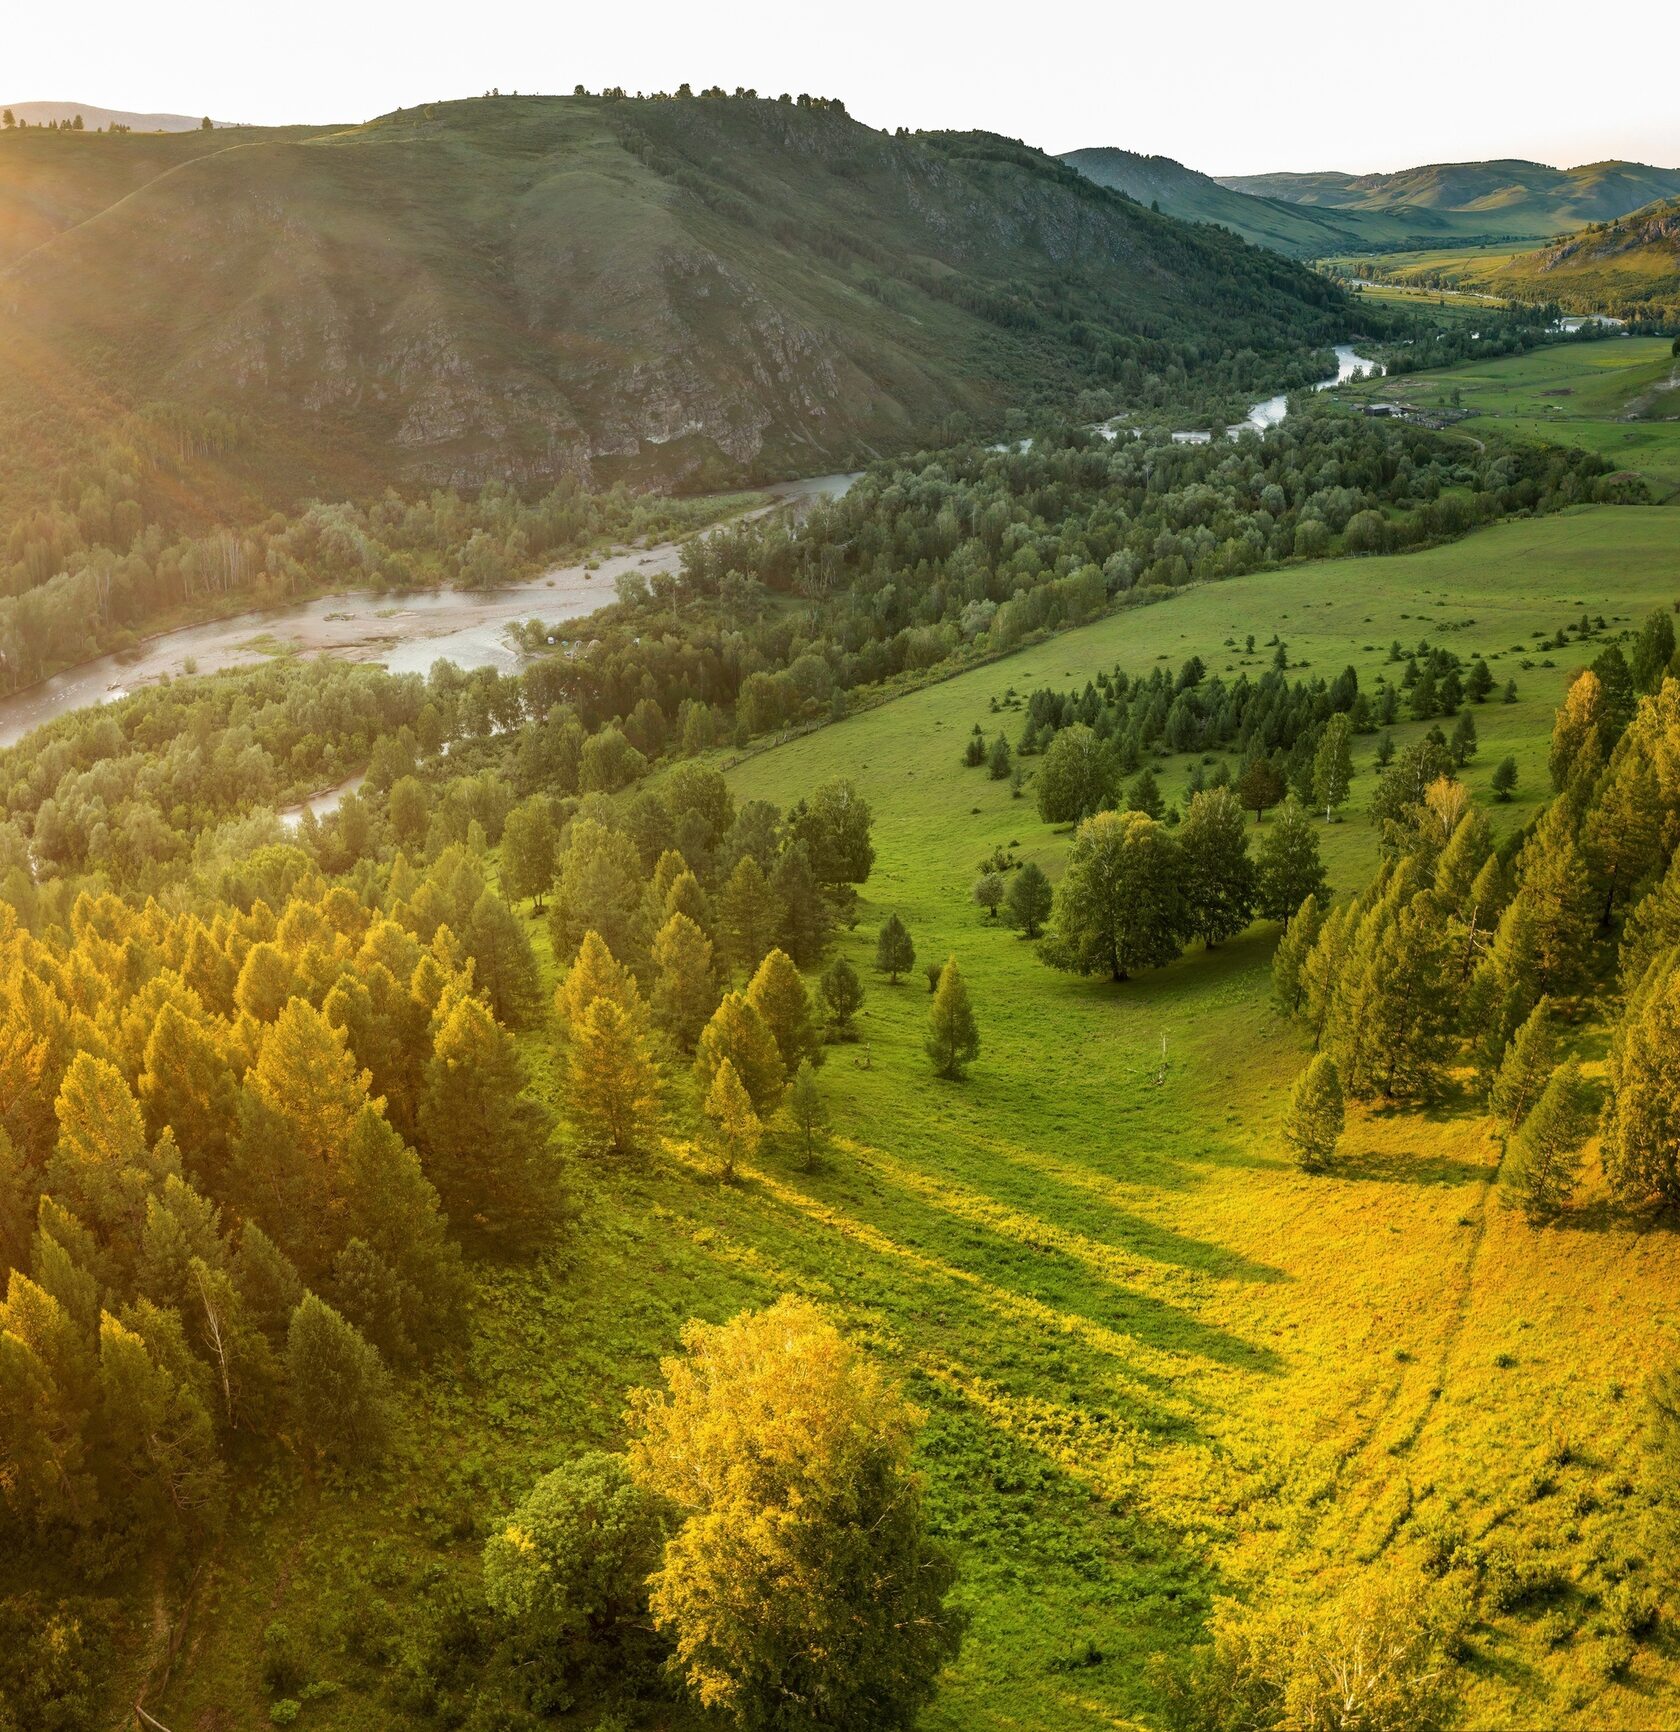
(800, 1571)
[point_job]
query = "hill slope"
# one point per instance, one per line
(44, 113)
(689, 289)
(1508, 196)
(1298, 229)
(1629, 267)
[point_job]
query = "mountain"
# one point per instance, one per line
(691, 290)
(1628, 267)
(1297, 229)
(95, 119)
(1510, 197)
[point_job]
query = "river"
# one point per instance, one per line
(407, 632)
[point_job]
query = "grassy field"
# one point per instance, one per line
(1614, 397)
(1158, 1363)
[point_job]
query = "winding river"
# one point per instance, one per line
(406, 633)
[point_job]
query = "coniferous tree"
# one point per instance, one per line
(1313, 1124)
(778, 995)
(1029, 899)
(1220, 880)
(738, 1128)
(895, 954)
(1580, 731)
(340, 1390)
(1543, 1163)
(1395, 1017)
(1464, 742)
(750, 918)
(1525, 1068)
(842, 994)
(685, 989)
(595, 973)
(807, 922)
(1288, 866)
(807, 1111)
(483, 1139)
(612, 1082)
(503, 963)
(1642, 1115)
(1290, 958)
(953, 1040)
(737, 1032)
(998, 758)
(1259, 787)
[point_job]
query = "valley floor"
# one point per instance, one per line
(1159, 1363)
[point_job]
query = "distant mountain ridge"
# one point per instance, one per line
(94, 118)
(1297, 229)
(1510, 195)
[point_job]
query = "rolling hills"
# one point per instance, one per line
(687, 290)
(1506, 197)
(1296, 228)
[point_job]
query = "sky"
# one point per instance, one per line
(1230, 88)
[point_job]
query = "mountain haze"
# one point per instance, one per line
(44, 113)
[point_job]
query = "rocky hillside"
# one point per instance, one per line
(685, 290)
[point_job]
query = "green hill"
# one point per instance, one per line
(1629, 267)
(1509, 197)
(685, 290)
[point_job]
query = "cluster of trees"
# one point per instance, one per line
(240, 1151)
(1461, 951)
(1135, 890)
(763, 1538)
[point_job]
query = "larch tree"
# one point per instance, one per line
(807, 1111)
(1542, 1165)
(685, 987)
(1525, 1068)
(1312, 1126)
(953, 1037)
(802, 1588)
(736, 1126)
(612, 1082)
(778, 995)
(738, 1033)
(595, 973)
(895, 954)
(1642, 1117)
(750, 916)
(503, 963)
(1029, 899)
(1289, 960)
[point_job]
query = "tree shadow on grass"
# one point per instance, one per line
(1408, 1167)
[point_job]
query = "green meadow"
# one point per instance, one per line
(1158, 1363)
(1615, 397)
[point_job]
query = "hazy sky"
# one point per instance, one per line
(1227, 87)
